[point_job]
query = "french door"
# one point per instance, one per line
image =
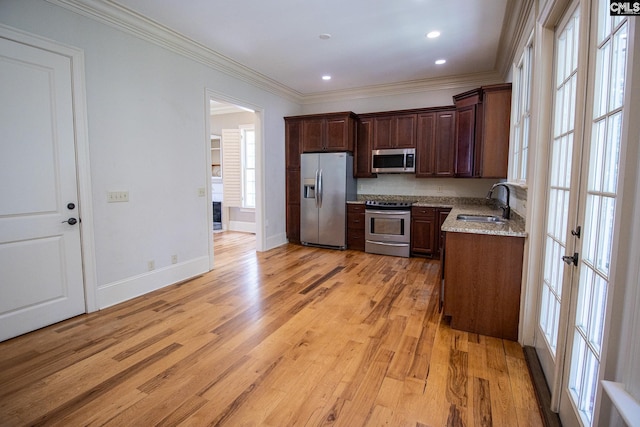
(585, 150)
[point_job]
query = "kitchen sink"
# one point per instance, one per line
(488, 219)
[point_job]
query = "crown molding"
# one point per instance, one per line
(121, 18)
(110, 13)
(516, 22)
(414, 86)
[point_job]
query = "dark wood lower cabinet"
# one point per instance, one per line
(355, 226)
(423, 228)
(426, 235)
(482, 279)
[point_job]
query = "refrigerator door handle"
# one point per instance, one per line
(319, 189)
(317, 194)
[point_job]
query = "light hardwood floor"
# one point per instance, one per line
(291, 337)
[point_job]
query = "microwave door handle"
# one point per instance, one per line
(404, 161)
(320, 189)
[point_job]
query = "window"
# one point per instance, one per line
(521, 114)
(248, 166)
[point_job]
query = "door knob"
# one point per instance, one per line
(71, 221)
(571, 259)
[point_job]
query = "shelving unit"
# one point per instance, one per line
(216, 156)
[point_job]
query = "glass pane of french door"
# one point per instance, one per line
(558, 192)
(598, 209)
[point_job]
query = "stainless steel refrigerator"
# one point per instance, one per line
(327, 184)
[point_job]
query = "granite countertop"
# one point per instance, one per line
(514, 227)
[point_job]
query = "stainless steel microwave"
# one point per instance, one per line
(393, 160)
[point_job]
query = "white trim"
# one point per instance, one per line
(131, 287)
(260, 210)
(242, 226)
(627, 406)
(117, 16)
(85, 203)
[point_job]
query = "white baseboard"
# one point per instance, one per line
(244, 227)
(123, 290)
(275, 241)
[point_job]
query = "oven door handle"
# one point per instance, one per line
(369, 211)
(375, 242)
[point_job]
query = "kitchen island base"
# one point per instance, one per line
(483, 276)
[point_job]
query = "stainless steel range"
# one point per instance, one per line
(388, 228)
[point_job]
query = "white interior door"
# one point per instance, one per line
(41, 278)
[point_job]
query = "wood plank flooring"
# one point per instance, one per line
(294, 336)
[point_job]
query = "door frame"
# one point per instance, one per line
(81, 143)
(210, 94)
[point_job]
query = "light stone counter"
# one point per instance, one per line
(513, 227)
(475, 206)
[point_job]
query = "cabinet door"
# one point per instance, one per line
(293, 143)
(404, 130)
(312, 135)
(293, 205)
(338, 135)
(363, 149)
(423, 227)
(444, 144)
(495, 132)
(442, 216)
(382, 133)
(425, 135)
(465, 140)
(355, 227)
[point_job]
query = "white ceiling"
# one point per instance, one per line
(373, 42)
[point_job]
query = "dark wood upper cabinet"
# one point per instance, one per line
(364, 144)
(328, 132)
(313, 135)
(293, 142)
(435, 144)
(465, 141)
(482, 131)
(394, 131)
(495, 130)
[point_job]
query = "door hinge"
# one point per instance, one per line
(576, 232)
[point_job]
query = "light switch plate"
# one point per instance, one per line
(117, 196)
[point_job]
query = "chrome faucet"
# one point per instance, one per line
(506, 209)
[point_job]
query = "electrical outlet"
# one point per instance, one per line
(174, 259)
(439, 188)
(202, 192)
(151, 265)
(117, 196)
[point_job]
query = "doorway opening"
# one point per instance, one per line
(235, 148)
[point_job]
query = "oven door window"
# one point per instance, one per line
(387, 226)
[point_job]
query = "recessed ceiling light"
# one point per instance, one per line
(325, 36)
(433, 34)
(440, 61)
(326, 77)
